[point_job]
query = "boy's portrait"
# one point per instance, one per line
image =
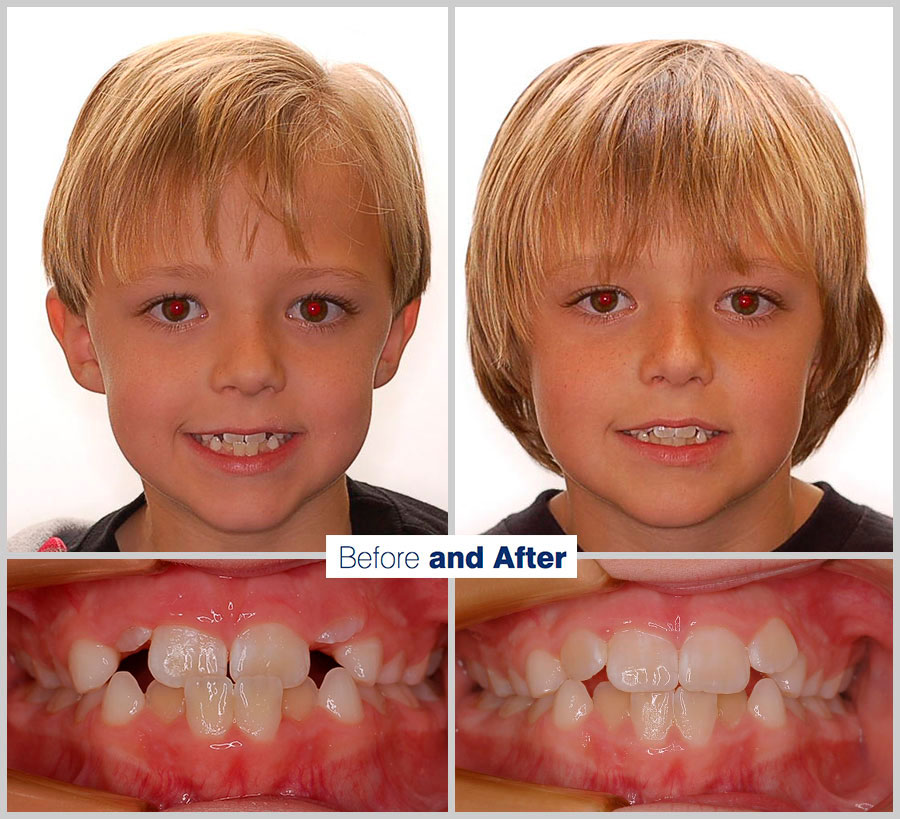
(678, 282)
(245, 244)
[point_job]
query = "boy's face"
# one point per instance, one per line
(266, 343)
(671, 343)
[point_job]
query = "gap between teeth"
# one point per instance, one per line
(231, 443)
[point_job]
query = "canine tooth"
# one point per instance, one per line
(611, 704)
(434, 661)
(543, 673)
(272, 443)
(701, 437)
(791, 680)
(766, 704)
(713, 659)
(297, 702)
(340, 631)
(732, 707)
(91, 664)
(644, 436)
(476, 671)
(232, 438)
(425, 691)
(583, 654)
(88, 703)
(123, 699)
(811, 686)
(46, 677)
(209, 705)
(416, 673)
(829, 688)
(652, 714)
(255, 438)
(338, 695)
(372, 695)
(257, 706)
(499, 684)
(216, 444)
(817, 706)
(664, 432)
(392, 672)
(402, 693)
(133, 638)
(270, 649)
(773, 647)
(514, 705)
(518, 684)
(167, 703)
(62, 698)
(695, 714)
(571, 704)
(362, 659)
(640, 661)
(539, 708)
(685, 432)
(178, 652)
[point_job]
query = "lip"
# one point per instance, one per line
(244, 466)
(676, 422)
(686, 456)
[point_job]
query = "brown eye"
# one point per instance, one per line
(745, 303)
(314, 310)
(176, 310)
(605, 301)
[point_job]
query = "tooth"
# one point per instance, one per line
(846, 679)
(362, 659)
(664, 432)
(701, 436)
(340, 631)
(297, 702)
(24, 661)
(732, 707)
(476, 672)
(255, 438)
(543, 672)
(571, 704)
(434, 661)
(38, 694)
(273, 443)
(425, 691)
(640, 661)
(829, 688)
(792, 704)
(215, 444)
(644, 436)
(836, 706)
(773, 647)
(518, 684)
(611, 704)
(392, 671)
(238, 448)
(209, 705)
(91, 664)
(401, 693)
(205, 438)
(178, 652)
(63, 673)
(416, 673)
(251, 449)
(583, 654)
(338, 695)
(488, 701)
(257, 706)
(514, 705)
(766, 704)
(371, 695)
(123, 699)
(499, 684)
(231, 438)
(88, 703)
(817, 706)
(270, 649)
(133, 638)
(685, 432)
(62, 698)
(695, 714)
(167, 703)
(45, 676)
(790, 681)
(651, 714)
(540, 707)
(713, 659)
(811, 686)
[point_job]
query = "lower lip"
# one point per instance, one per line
(687, 455)
(246, 466)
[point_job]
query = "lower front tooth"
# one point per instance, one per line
(652, 714)
(611, 704)
(91, 664)
(339, 697)
(695, 715)
(571, 704)
(257, 706)
(766, 704)
(539, 708)
(209, 705)
(167, 703)
(297, 702)
(62, 698)
(732, 707)
(123, 699)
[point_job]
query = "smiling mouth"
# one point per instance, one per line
(185, 686)
(689, 435)
(775, 694)
(242, 445)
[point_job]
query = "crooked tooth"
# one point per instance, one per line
(341, 630)
(644, 436)
(361, 658)
(426, 691)
(611, 704)
(792, 704)
(46, 677)
(811, 686)
(88, 703)
(514, 705)
(399, 692)
(713, 659)
(255, 438)
(273, 443)
(701, 437)
(372, 695)
(695, 714)
(133, 638)
(846, 679)
(499, 684)
(123, 699)
(338, 695)
(392, 672)
(583, 654)
(664, 432)
(209, 705)
(63, 673)
(543, 673)
(476, 672)
(251, 449)
(685, 432)
(178, 652)
(167, 703)
(62, 698)
(38, 694)
(270, 649)
(296, 703)
(216, 444)
(836, 706)
(488, 701)
(539, 708)
(434, 661)
(416, 673)
(829, 688)
(772, 648)
(732, 707)
(640, 661)
(571, 704)
(238, 448)
(817, 706)
(518, 684)
(766, 704)
(232, 438)
(257, 706)
(91, 664)
(652, 714)
(791, 680)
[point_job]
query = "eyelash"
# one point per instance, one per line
(595, 315)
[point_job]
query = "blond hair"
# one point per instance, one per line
(642, 136)
(175, 120)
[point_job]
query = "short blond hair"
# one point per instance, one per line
(660, 133)
(175, 120)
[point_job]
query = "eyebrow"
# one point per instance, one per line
(195, 272)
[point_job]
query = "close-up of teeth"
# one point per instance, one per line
(673, 436)
(232, 443)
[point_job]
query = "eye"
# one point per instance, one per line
(177, 310)
(749, 303)
(316, 310)
(605, 302)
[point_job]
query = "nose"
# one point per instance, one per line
(676, 350)
(248, 358)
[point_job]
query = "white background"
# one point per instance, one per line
(845, 53)
(62, 458)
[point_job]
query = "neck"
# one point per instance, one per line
(758, 522)
(163, 525)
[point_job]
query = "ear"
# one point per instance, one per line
(74, 337)
(402, 328)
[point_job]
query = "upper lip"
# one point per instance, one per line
(675, 422)
(239, 430)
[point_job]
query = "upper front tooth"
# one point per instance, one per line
(361, 658)
(773, 647)
(255, 438)
(338, 696)
(91, 664)
(685, 432)
(583, 654)
(640, 661)
(713, 659)
(543, 672)
(133, 638)
(232, 438)
(341, 630)
(177, 652)
(270, 649)
(664, 432)
(257, 706)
